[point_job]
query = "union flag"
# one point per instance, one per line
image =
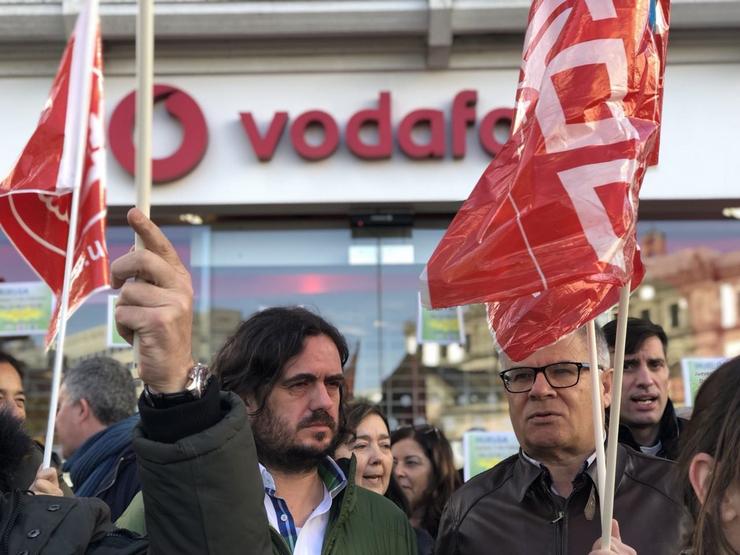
(35, 197)
(548, 235)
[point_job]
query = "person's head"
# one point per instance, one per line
(96, 393)
(369, 438)
(645, 381)
(424, 467)
(286, 364)
(709, 464)
(12, 394)
(550, 397)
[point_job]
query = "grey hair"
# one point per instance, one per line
(602, 348)
(107, 386)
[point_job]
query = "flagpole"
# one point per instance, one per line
(598, 411)
(611, 451)
(144, 108)
(88, 52)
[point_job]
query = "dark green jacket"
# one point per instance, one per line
(361, 522)
(203, 494)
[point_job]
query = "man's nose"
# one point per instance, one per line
(9, 406)
(541, 387)
(644, 376)
(321, 399)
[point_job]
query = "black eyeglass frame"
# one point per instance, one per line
(542, 369)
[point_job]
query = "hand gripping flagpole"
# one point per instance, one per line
(144, 108)
(79, 95)
(598, 412)
(611, 451)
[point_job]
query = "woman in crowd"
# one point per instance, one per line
(368, 438)
(709, 463)
(424, 468)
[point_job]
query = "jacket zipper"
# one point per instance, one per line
(559, 536)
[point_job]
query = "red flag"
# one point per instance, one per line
(35, 198)
(547, 237)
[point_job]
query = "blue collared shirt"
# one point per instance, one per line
(308, 539)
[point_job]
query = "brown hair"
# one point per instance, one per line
(713, 430)
(355, 413)
(445, 478)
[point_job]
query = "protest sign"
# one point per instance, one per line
(444, 326)
(484, 450)
(25, 308)
(695, 370)
(114, 339)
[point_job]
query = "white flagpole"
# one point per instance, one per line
(85, 49)
(144, 108)
(598, 411)
(611, 451)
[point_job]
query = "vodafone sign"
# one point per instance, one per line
(423, 133)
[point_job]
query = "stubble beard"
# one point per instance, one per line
(278, 449)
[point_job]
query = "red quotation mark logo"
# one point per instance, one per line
(183, 108)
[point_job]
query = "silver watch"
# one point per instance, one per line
(199, 377)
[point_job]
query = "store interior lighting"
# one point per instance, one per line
(731, 212)
(192, 219)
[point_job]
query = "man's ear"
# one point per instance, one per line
(251, 404)
(84, 410)
(606, 387)
(699, 471)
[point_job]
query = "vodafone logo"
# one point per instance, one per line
(421, 134)
(179, 105)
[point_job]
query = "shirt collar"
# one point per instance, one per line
(533, 469)
(331, 476)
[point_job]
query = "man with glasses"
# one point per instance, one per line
(545, 498)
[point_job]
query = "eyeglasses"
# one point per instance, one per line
(559, 375)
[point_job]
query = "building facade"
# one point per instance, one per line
(313, 153)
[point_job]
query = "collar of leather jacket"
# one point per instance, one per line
(525, 473)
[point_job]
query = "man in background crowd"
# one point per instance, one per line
(648, 420)
(12, 394)
(13, 402)
(94, 426)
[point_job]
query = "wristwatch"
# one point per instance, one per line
(199, 376)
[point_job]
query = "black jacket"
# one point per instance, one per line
(670, 431)
(25, 474)
(511, 510)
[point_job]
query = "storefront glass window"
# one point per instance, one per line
(366, 283)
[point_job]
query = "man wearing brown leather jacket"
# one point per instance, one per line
(545, 500)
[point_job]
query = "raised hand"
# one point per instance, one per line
(158, 307)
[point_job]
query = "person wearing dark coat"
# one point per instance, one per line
(94, 425)
(648, 421)
(13, 400)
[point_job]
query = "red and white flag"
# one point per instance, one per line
(35, 197)
(548, 235)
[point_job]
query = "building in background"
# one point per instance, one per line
(325, 147)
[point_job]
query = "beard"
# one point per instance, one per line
(278, 448)
(14, 446)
